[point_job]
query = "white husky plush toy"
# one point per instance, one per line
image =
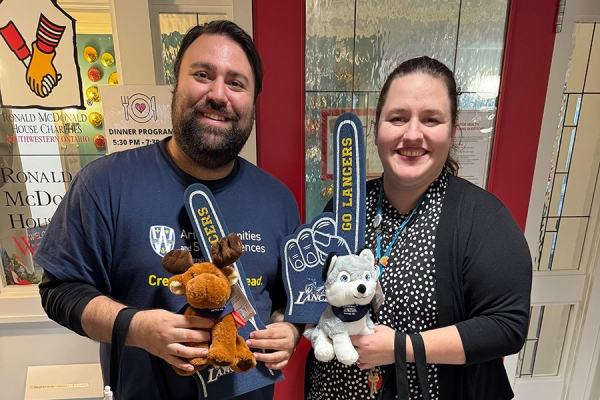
(350, 284)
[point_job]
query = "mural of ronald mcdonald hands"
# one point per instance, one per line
(41, 75)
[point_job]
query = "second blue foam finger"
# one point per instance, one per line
(349, 180)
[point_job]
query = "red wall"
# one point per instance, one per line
(526, 68)
(279, 36)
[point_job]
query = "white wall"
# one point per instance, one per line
(38, 343)
(28, 338)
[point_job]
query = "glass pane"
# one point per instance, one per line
(543, 349)
(535, 321)
(364, 106)
(572, 114)
(33, 186)
(586, 159)
(551, 340)
(176, 22)
(390, 31)
(321, 110)
(76, 125)
(40, 153)
(172, 29)
(569, 243)
(352, 46)
(563, 110)
(547, 250)
(472, 144)
(477, 101)
(528, 357)
(566, 150)
(579, 58)
(575, 164)
(557, 196)
(329, 45)
(552, 224)
(36, 169)
(480, 46)
(557, 142)
(592, 80)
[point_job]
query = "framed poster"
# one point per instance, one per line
(367, 117)
(472, 145)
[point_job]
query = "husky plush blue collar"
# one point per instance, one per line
(350, 313)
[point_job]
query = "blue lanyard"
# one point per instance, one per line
(382, 260)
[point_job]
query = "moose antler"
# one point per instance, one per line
(226, 251)
(177, 261)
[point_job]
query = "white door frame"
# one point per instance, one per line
(581, 352)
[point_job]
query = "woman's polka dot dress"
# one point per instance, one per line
(408, 283)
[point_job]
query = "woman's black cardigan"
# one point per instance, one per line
(483, 283)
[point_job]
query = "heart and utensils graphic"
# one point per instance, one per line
(139, 107)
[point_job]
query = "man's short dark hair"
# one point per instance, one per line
(233, 32)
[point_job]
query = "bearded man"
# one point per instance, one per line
(103, 272)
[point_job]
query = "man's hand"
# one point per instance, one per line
(281, 337)
(163, 333)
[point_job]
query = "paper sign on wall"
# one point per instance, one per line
(135, 115)
(473, 145)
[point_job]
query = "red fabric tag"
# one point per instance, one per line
(239, 320)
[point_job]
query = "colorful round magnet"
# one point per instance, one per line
(93, 93)
(94, 74)
(90, 54)
(99, 141)
(95, 118)
(107, 60)
(113, 79)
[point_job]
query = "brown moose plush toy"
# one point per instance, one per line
(207, 288)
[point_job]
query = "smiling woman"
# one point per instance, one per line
(414, 135)
(450, 254)
(415, 125)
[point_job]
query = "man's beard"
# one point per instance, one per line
(191, 135)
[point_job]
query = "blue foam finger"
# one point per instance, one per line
(349, 180)
(307, 249)
(293, 256)
(220, 382)
(325, 226)
(326, 242)
(342, 231)
(303, 282)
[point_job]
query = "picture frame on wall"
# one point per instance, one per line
(328, 118)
